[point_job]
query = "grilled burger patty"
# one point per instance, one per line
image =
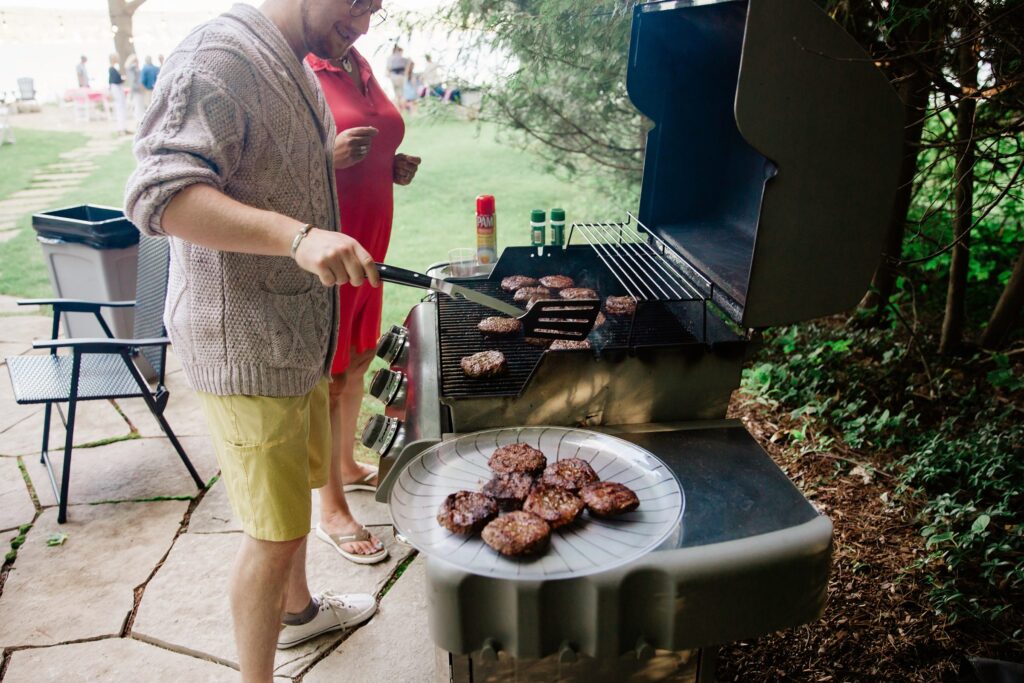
(514, 282)
(530, 293)
(517, 457)
(484, 364)
(578, 293)
(608, 498)
(620, 305)
(571, 474)
(554, 505)
(557, 281)
(517, 533)
(498, 326)
(509, 489)
(466, 512)
(569, 345)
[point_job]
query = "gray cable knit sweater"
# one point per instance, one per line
(235, 109)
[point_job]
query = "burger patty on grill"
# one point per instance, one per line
(517, 533)
(531, 293)
(498, 326)
(514, 282)
(517, 457)
(484, 364)
(609, 498)
(578, 293)
(554, 505)
(620, 305)
(466, 512)
(557, 281)
(569, 345)
(571, 474)
(509, 489)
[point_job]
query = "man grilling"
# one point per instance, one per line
(235, 166)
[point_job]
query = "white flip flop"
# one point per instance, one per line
(362, 535)
(363, 483)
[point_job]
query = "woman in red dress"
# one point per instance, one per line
(367, 167)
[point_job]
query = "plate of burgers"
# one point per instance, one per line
(537, 502)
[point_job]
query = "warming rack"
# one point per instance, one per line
(646, 267)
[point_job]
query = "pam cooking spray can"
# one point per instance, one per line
(486, 230)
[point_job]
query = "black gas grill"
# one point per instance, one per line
(768, 179)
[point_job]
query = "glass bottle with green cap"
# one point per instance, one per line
(557, 227)
(538, 224)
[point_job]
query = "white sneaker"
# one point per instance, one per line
(336, 612)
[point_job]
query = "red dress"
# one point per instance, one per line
(365, 193)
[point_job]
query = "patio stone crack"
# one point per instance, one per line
(139, 590)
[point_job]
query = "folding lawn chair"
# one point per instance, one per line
(101, 368)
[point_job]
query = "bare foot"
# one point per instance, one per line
(339, 525)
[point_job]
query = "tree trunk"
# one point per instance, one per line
(121, 13)
(1007, 311)
(914, 93)
(953, 322)
(915, 86)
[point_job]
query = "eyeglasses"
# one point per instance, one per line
(360, 7)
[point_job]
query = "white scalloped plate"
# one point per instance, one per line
(590, 545)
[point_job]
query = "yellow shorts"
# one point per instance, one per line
(272, 452)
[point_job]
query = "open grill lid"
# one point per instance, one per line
(774, 161)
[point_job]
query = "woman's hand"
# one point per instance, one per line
(352, 145)
(405, 168)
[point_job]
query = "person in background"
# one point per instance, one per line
(137, 93)
(431, 78)
(149, 74)
(367, 167)
(82, 72)
(410, 87)
(396, 72)
(116, 83)
(235, 166)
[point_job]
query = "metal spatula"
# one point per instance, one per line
(549, 319)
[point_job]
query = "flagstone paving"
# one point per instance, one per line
(185, 606)
(16, 506)
(84, 588)
(112, 659)
(137, 469)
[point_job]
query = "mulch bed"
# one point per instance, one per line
(877, 625)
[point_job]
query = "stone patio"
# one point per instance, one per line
(139, 582)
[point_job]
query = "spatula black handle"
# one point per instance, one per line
(401, 276)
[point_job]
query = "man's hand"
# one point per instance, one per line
(336, 259)
(405, 168)
(352, 145)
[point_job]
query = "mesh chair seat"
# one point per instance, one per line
(40, 379)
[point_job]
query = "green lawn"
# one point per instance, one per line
(33, 150)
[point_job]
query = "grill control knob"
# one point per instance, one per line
(380, 432)
(392, 344)
(386, 385)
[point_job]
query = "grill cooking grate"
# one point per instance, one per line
(656, 323)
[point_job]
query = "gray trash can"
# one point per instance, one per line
(92, 253)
